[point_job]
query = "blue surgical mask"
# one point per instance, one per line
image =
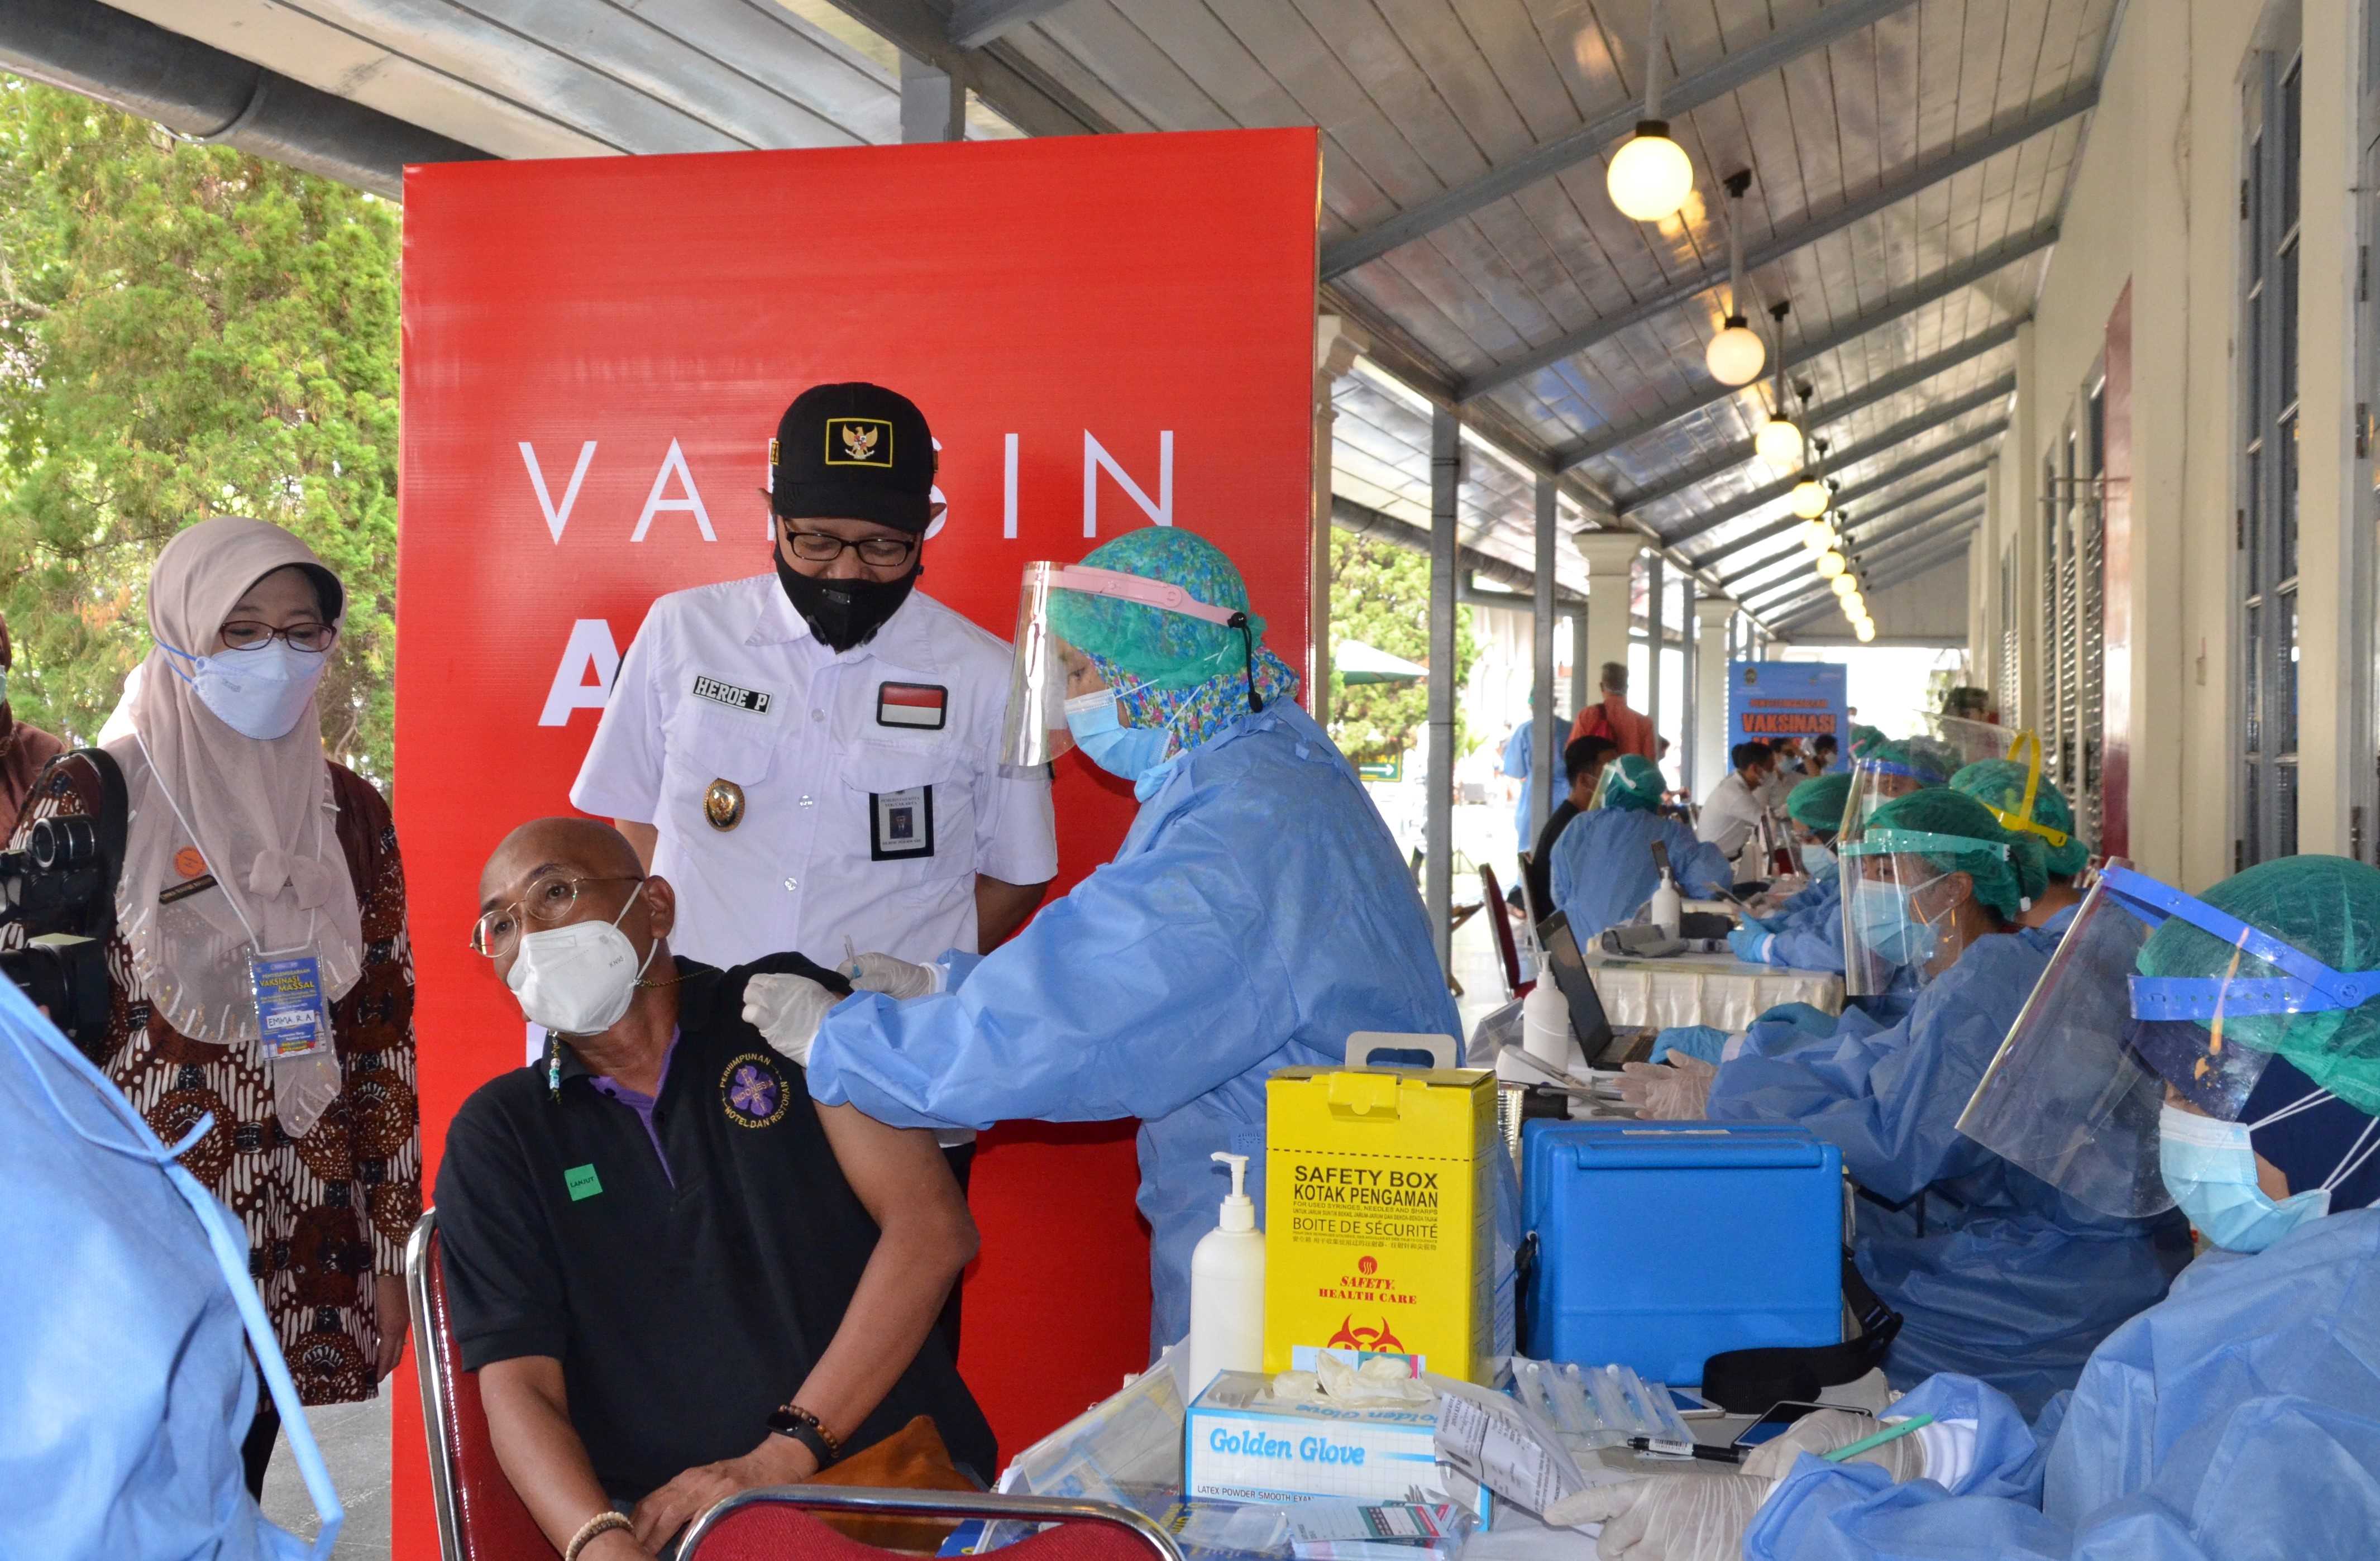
(1888, 924)
(1127, 752)
(259, 694)
(1819, 862)
(2210, 1167)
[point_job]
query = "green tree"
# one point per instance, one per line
(185, 331)
(1379, 594)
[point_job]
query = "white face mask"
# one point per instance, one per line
(578, 980)
(258, 693)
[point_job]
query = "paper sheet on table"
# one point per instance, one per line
(1505, 1446)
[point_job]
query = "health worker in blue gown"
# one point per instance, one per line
(1257, 913)
(1603, 867)
(1805, 931)
(1996, 1273)
(130, 1333)
(2239, 1417)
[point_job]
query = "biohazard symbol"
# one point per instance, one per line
(1377, 1341)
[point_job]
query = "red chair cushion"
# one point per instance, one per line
(494, 1523)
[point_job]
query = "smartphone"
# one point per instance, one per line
(1694, 1406)
(1772, 1425)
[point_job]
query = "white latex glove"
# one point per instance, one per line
(894, 978)
(786, 1011)
(1675, 1090)
(1822, 1431)
(1678, 1516)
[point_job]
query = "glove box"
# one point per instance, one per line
(1659, 1245)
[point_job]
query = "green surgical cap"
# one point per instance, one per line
(2004, 884)
(1999, 782)
(1864, 738)
(1166, 650)
(1933, 761)
(1818, 804)
(2326, 906)
(1631, 782)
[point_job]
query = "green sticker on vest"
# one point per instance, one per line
(582, 1181)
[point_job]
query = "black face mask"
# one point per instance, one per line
(843, 613)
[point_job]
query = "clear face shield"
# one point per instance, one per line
(1045, 672)
(1973, 741)
(2115, 1025)
(1899, 910)
(1876, 782)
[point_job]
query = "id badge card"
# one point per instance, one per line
(290, 1019)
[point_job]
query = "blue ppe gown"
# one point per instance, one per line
(123, 1356)
(1603, 867)
(2239, 1417)
(1520, 763)
(1256, 916)
(1809, 936)
(1996, 1273)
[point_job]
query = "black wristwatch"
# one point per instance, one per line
(792, 1420)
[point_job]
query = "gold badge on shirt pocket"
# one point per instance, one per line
(722, 804)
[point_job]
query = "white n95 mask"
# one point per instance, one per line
(578, 980)
(259, 694)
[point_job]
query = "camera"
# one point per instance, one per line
(66, 975)
(59, 888)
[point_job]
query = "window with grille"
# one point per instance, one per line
(2265, 530)
(2050, 620)
(2012, 702)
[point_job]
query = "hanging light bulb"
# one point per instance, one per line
(1816, 536)
(1865, 630)
(1651, 175)
(1779, 441)
(1831, 565)
(1809, 498)
(1845, 587)
(1736, 355)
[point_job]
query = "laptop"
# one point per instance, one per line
(1603, 1047)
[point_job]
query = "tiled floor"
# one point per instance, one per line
(354, 1438)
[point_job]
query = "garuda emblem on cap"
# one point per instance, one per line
(859, 442)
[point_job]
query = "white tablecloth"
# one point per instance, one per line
(1713, 989)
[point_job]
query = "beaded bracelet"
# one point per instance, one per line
(602, 1523)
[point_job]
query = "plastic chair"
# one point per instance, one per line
(480, 1516)
(773, 1524)
(1500, 918)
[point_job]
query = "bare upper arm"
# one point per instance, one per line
(899, 1173)
(535, 1375)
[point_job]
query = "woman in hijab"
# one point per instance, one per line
(258, 874)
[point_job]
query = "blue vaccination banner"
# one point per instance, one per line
(1789, 699)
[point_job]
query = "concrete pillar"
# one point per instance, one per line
(1714, 618)
(1689, 718)
(933, 102)
(1438, 839)
(1336, 348)
(1582, 671)
(1656, 635)
(1546, 743)
(1610, 557)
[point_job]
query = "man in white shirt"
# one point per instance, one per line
(1788, 773)
(1733, 812)
(812, 757)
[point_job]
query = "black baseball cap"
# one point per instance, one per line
(855, 450)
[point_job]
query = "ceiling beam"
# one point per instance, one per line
(1890, 440)
(1761, 498)
(1902, 505)
(1882, 388)
(975, 23)
(1881, 576)
(1678, 99)
(1913, 535)
(1016, 89)
(1865, 546)
(1933, 289)
(1904, 184)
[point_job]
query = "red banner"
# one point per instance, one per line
(1106, 333)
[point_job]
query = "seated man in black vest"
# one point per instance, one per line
(675, 1275)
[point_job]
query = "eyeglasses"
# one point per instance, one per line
(818, 547)
(247, 634)
(549, 900)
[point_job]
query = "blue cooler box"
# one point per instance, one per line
(1662, 1244)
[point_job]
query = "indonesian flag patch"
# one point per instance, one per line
(911, 704)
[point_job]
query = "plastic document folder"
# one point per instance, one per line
(1659, 1245)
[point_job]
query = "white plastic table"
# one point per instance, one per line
(1713, 989)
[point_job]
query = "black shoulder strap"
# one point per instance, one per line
(1745, 1381)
